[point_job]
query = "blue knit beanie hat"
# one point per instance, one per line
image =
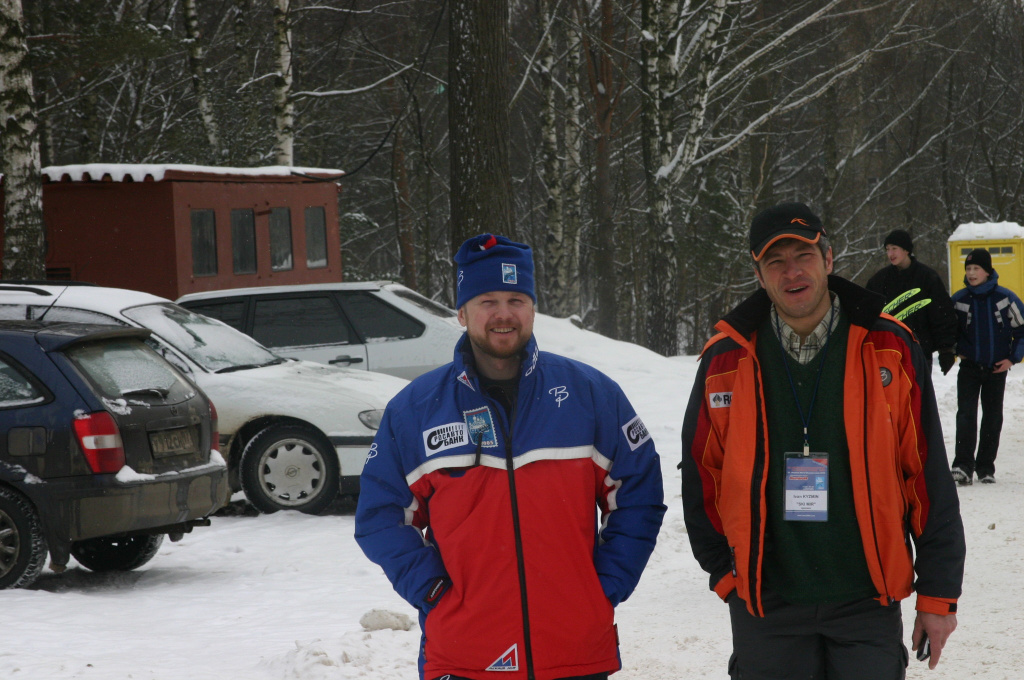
(488, 263)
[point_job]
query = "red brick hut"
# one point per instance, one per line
(176, 229)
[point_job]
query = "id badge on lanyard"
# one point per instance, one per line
(806, 487)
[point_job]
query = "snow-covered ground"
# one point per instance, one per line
(282, 596)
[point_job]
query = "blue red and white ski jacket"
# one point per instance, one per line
(991, 323)
(491, 528)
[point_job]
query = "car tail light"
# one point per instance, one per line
(214, 434)
(100, 441)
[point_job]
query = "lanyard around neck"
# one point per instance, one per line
(806, 420)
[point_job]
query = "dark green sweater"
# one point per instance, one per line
(810, 562)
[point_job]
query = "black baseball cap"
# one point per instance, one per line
(786, 220)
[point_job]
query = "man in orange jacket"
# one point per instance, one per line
(812, 456)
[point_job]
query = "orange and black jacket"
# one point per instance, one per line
(903, 491)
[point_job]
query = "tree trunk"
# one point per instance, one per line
(556, 249)
(572, 171)
(662, 309)
(195, 66)
(404, 222)
(601, 67)
(24, 255)
(284, 107)
(478, 96)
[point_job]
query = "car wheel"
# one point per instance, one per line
(22, 544)
(287, 467)
(112, 553)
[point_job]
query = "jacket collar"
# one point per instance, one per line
(984, 288)
(862, 307)
(465, 365)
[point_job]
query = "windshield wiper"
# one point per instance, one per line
(246, 367)
(158, 391)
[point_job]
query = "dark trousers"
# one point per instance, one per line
(596, 676)
(860, 640)
(973, 379)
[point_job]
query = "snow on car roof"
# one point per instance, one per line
(129, 172)
(93, 298)
(300, 287)
(972, 231)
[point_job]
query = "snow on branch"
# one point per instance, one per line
(357, 90)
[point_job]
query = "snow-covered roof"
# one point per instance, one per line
(997, 231)
(128, 172)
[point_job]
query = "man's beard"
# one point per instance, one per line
(484, 345)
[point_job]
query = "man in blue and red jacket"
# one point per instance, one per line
(512, 496)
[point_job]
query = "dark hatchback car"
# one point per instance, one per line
(105, 448)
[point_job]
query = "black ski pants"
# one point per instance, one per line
(972, 380)
(860, 640)
(596, 676)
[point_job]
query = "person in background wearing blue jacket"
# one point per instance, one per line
(991, 328)
(513, 496)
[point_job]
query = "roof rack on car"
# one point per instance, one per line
(47, 282)
(26, 289)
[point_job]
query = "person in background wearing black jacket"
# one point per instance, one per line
(928, 311)
(990, 341)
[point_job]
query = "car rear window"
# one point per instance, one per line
(299, 321)
(424, 303)
(208, 342)
(16, 389)
(378, 321)
(232, 312)
(128, 369)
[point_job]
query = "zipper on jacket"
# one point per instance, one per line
(517, 531)
(867, 480)
(756, 521)
(992, 316)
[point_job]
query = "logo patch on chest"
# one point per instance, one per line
(444, 437)
(886, 376)
(481, 427)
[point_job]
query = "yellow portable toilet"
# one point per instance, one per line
(1003, 240)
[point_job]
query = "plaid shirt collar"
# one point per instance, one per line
(806, 350)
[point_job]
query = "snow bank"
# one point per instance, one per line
(972, 231)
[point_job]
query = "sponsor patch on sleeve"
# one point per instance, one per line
(720, 399)
(444, 437)
(636, 433)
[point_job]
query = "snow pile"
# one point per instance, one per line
(381, 619)
(382, 654)
(1000, 231)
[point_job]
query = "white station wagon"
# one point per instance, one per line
(377, 326)
(295, 433)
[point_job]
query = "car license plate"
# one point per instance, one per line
(172, 442)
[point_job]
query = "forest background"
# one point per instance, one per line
(642, 134)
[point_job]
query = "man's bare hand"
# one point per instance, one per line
(938, 628)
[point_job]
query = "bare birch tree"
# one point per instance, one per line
(557, 268)
(195, 65)
(284, 107)
(23, 256)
